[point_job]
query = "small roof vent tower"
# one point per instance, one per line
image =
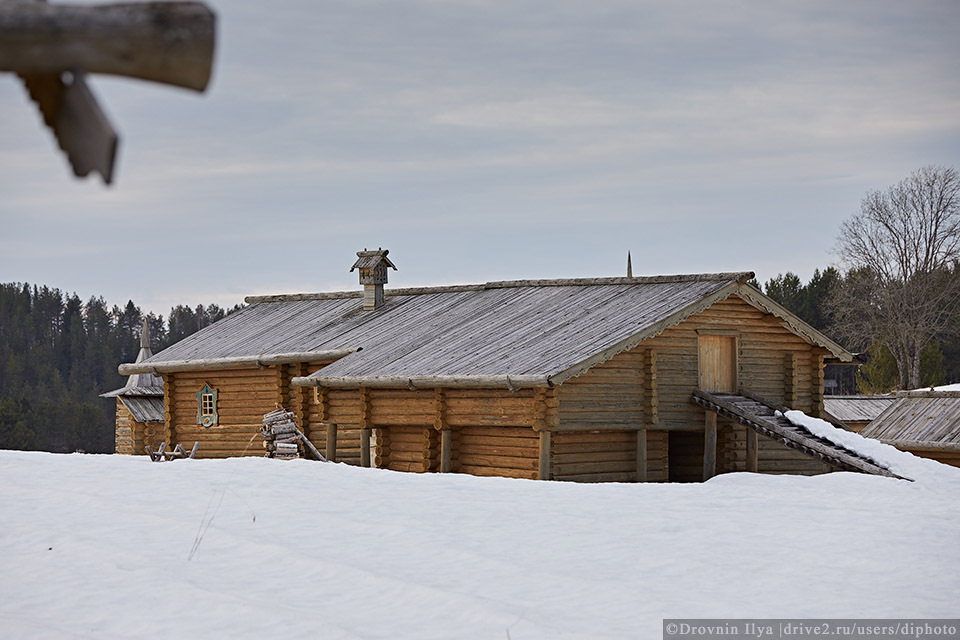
(373, 275)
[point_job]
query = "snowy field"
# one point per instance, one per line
(100, 547)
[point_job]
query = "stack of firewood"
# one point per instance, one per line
(281, 438)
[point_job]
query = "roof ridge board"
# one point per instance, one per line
(739, 276)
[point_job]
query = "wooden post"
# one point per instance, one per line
(331, 442)
(365, 447)
(753, 441)
(446, 451)
(544, 467)
(710, 445)
(642, 455)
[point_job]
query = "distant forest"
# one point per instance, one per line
(57, 353)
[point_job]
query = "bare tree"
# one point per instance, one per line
(902, 280)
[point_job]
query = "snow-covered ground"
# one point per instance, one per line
(946, 387)
(100, 547)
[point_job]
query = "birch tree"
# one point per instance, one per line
(902, 280)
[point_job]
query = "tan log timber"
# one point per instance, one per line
(446, 451)
(610, 425)
(331, 442)
(544, 456)
(365, 447)
(422, 382)
(709, 445)
(169, 411)
(642, 469)
(752, 450)
(167, 42)
(239, 362)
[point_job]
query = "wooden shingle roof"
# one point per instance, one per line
(919, 419)
(519, 333)
(856, 408)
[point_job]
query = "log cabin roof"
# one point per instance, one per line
(144, 383)
(517, 333)
(919, 419)
(856, 408)
(144, 408)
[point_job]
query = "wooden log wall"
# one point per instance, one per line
(126, 438)
(946, 456)
(244, 396)
(607, 456)
(772, 361)
(611, 394)
(772, 455)
(511, 451)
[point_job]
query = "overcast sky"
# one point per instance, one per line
(488, 140)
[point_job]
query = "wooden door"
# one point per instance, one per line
(718, 363)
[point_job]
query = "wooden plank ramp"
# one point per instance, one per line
(760, 415)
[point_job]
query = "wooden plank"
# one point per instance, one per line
(752, 451)
(709, 445)
(365, 447)
(331, 453)
(642, 468)
(543, 469)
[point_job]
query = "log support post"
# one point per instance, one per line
(710, 445)
(365, 447)
(642, 469)
(331, 453)
(545, 445)
(446, 451)
(753, 442)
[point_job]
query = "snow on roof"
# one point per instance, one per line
(902, 463)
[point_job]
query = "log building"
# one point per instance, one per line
(139, 406)
(664, 378)
(925, 423)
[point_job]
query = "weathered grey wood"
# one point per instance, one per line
(331, 442)
(780, 429)
(446, 451)
(167, 42)
(753, 461)
(642, 464)
(312, 449)
(543, 467)
(365, 447)
(80, 126)
(240, 362)
(420, 382)
(709, 445)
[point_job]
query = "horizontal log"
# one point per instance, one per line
(595, 466)
(422, 382)
(500, 462)
(626, 456)
(608, 477)
(204, 364)
(475, 470)
(167, 42)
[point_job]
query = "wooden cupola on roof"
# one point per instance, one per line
(373, 275)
